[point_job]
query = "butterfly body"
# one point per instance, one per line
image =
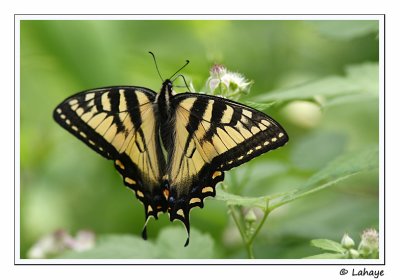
(171, 149)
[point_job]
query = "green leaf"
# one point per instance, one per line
(171, 240)
(365, 76)
(116, 247)
(346, 165)
(328, 245)
(347, 99)
(361, 80)
(339, 169)
(232, 199)
(169, 244)
(326, 87)
(327, 256)
(261, 106)
(345, 29)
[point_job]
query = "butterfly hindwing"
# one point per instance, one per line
(213, 134)
(120, 124)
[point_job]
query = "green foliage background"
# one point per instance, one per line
(333, 64)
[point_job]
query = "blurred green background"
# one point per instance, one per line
(319, 79)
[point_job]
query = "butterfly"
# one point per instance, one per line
(170, 149)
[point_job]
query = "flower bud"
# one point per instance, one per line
(250, 216)
(369, 244)
(347, 242)
(303, 113)
(250, 219)
(354, 254)
(226, 83)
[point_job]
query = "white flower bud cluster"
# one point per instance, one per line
(227, 84)
(59, 241)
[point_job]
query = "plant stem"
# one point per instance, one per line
(249, 246)
(248, 241)
(260, 225)
(237, 222)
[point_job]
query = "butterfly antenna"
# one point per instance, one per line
(187, 62)
(184, 80)
(155, 62)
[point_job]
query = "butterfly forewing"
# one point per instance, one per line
(120, 124)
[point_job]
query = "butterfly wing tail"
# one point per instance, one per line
(188, 235)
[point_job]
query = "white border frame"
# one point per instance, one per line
(380, 18)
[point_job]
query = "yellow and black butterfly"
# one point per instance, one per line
(171, 149)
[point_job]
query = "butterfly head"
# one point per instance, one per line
(163, 99)
(166, 88)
